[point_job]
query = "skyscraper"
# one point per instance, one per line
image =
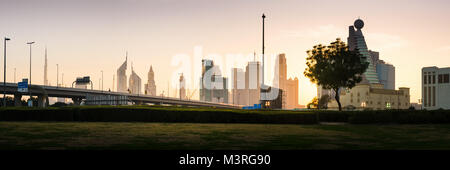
(239, 92)
(385, 71)
(246, 86)
(253, 81)
(213, 87)
(386, 74)
(135, 83)
(377, 89)
(150, 87)
(289, 86)
(357, 42)
(45, 69)
(122, 77)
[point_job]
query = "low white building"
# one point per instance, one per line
(435, 88)
(372, 96)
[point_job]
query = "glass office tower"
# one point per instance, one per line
(356, 41)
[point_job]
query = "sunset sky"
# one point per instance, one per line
(87, 36)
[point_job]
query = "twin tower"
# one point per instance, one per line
(134, 81)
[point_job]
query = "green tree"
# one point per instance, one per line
(335, 67)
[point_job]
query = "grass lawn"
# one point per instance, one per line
(163, 136)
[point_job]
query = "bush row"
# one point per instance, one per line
(122, 114)
(202, 115)
(386, 116)
(400, 116)
(32, 114)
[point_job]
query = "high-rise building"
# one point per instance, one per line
(357, 42)
(45, 69)
(386, 74)
(435, 88)
(246, 85)
(213, 87)
(150, 87)
(239, 91)
(135, 83)
(122, 77)
(289, 86)
(253, 81)
(377, 89)
(385, 71)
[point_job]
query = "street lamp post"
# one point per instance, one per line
(262, 63)
(30, 43)
(4, 75)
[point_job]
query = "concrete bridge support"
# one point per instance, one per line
(42, 101)
(17, 99)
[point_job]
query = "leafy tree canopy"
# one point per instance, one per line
(335, 66)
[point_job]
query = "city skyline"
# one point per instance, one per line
(80, 35)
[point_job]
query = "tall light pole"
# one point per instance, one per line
(4, 74)
(30, 43)
(263, 17)
(15, 75)
(262, 62)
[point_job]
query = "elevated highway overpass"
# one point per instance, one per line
(78, 95)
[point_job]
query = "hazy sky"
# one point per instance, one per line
(87, 36)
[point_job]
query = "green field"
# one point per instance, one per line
(166, 136)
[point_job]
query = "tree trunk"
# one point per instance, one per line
(337, 99)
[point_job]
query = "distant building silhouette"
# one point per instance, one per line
(213, 87)
(289, 86)
(122, 77)
(253, 82)
(135, 83)
(239, 92)
(150, 87)
(246, 85)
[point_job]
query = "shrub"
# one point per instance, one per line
(209, 115)
(155, 114)
(400, 116)
(333, 116)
